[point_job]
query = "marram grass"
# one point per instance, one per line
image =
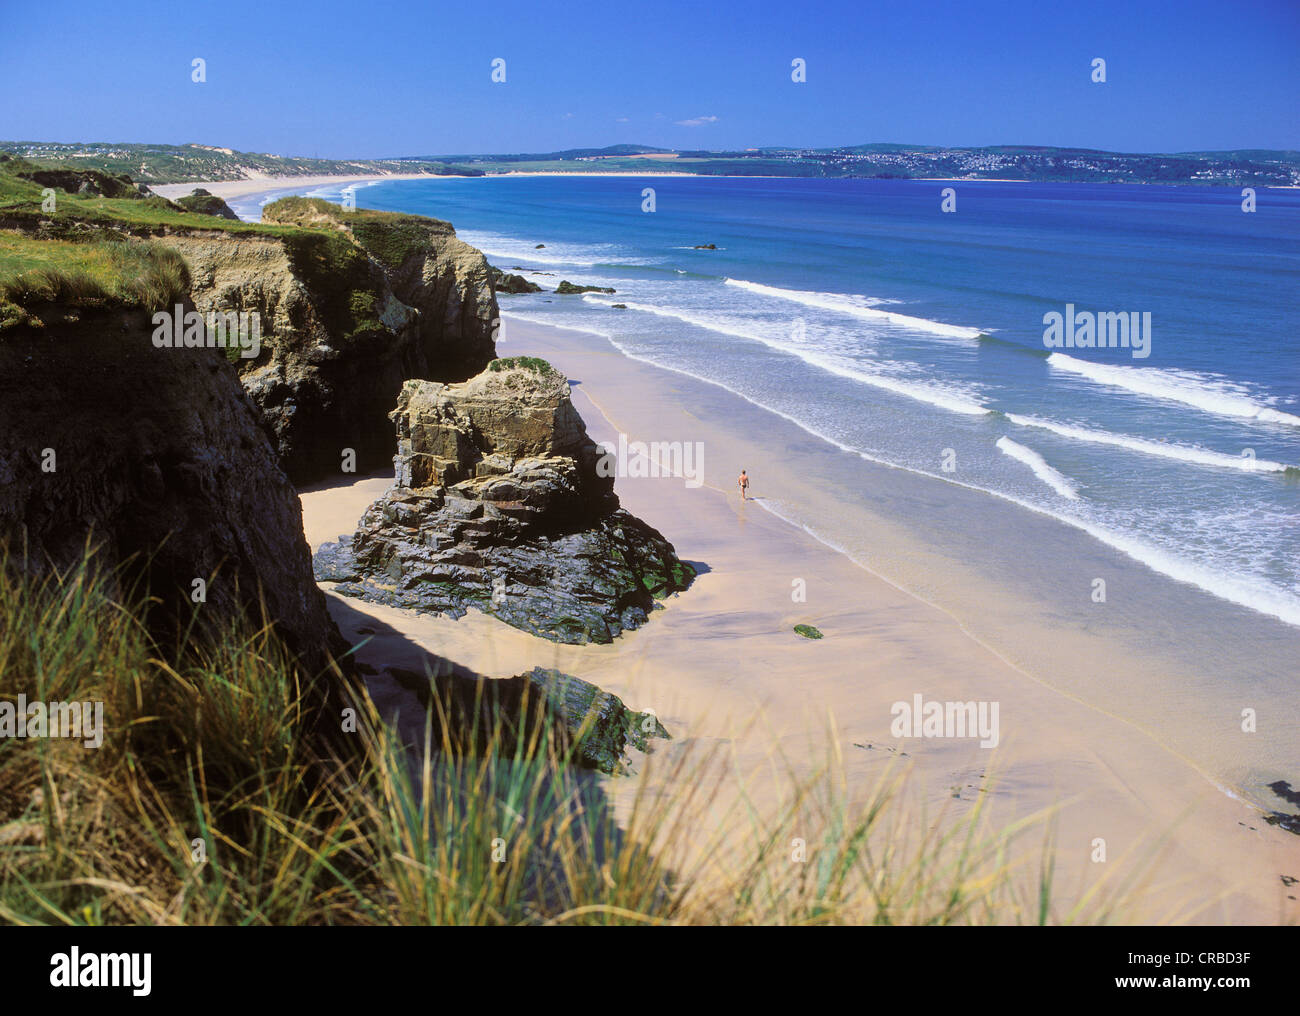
(209, 804)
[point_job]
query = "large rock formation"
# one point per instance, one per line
(90, 182)
(157, 457)
(499, 505)
(349, 308)
(347, 305)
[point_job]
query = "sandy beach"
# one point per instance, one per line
(721, 666)
(230, 189)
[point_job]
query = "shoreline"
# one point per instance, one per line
(228, 189)
(1019, 597)
(722, 653)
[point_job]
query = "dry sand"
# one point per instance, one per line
(720, 665)
(227, 189)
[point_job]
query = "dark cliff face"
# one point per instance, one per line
(449, 283)
(350, 307)
(347, 304)
(157, 453)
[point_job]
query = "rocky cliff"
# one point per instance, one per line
(346, 304)
(499, 505)
(158, 458)
(350, 306)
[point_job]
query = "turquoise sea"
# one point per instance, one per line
(915, 337)
(892, 357)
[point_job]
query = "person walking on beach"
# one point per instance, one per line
(744, 485)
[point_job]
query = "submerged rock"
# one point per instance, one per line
(567, 288)
(504, 282)
(498, 505)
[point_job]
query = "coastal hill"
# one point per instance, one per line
(198, 163)
(201, 163)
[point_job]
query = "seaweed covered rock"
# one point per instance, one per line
(590, 727)
(505, 282)
(499, 505)
(567, 288)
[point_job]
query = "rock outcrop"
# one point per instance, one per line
(505, 282)
(157, 457)
(347, 304)
(499, 504)
(567, 288)
(590, 727)
(349, 308)
(90, 182)
(206, 203)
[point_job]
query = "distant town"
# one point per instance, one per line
(194, 162)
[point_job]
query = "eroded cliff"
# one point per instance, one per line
(157, 458)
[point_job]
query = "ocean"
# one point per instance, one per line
(886, 332)
(914, 337)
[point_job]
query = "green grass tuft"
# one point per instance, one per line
(531, 363)
(37, 272)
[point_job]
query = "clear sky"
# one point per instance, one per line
(414, 78)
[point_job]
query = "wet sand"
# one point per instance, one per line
(720, 665)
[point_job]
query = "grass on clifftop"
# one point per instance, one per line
(209, 803)
(24, 205)
(78, 250)
(34, 273)
(389, 237)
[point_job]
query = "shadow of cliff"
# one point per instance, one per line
(465, 717)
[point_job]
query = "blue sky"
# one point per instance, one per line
(370, 80)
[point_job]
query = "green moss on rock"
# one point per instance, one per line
(533, 363)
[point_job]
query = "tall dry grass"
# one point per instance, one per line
(209, 803)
